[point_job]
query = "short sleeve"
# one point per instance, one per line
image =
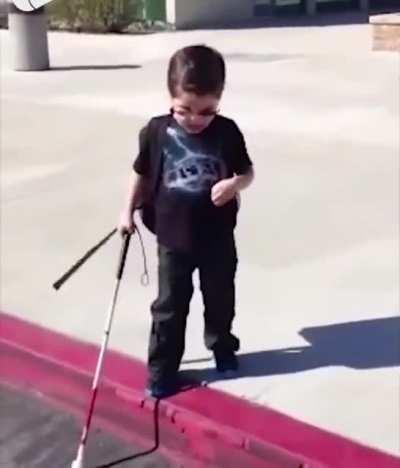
(241, 161)
(141, 164)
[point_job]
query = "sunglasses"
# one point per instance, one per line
(185, 113)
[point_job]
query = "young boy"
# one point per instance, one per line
(192, 164)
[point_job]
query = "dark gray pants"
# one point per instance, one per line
(217, 267)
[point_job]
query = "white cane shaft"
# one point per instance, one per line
(106, 336)
(78, 462)
(100, 360)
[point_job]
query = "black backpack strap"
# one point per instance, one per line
(156, 134)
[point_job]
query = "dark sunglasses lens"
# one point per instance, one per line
(206, 113)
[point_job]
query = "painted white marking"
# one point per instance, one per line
(30, 5)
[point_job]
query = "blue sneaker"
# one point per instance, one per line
(226, 361)
(160, 390)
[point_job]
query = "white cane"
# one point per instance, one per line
(78, 462)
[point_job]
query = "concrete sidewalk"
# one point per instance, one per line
(317, 285)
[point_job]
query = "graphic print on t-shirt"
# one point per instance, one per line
(190, 165)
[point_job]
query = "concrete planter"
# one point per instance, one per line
(386, 32)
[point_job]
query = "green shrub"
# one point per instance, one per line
(94, 15)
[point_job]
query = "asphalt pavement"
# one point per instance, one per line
(35, 434)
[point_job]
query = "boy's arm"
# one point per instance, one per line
(137, 184)
(134, 197)
(135, 192)
(242, 181)
(226, 189)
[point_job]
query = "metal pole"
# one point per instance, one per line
(28, 31)
(364, 5)
(311, 7)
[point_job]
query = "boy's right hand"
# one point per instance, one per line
(126, 223)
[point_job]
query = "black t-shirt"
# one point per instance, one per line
(191, 164)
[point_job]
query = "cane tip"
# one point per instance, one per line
(77, 464)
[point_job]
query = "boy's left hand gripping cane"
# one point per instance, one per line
(78, 462)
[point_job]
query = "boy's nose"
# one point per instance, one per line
(195, 119)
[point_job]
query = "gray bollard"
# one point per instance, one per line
(28, 33)
(364, 5)
(311, 7)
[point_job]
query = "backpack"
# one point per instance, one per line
(155, 134)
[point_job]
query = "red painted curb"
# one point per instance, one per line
(208, 426)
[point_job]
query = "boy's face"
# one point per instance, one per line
(193, 112)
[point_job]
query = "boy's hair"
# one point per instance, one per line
(196, 69)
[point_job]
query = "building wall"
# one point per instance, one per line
(200, 13)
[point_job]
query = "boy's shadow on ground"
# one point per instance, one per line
(95, 67)
(367, 344)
